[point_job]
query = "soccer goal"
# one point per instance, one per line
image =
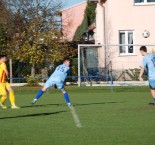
(101, 65)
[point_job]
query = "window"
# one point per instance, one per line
(126, 37)
(144, 1)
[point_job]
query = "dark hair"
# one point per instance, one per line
(2, 55)
(143, 48)
(66, 59)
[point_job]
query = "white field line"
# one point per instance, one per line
(75, 117)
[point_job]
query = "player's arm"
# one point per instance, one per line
(142, 69)
(68, 71)
(6, 72)
(5, 69)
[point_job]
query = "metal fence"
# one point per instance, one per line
(102, 64)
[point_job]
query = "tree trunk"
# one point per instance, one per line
(33, 69)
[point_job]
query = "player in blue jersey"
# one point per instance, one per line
(57, 78)
(148, 63)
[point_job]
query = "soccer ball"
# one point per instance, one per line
(146, 34)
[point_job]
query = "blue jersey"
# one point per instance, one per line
(61, 72)
(149, 64)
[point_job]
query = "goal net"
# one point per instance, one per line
(100, 65)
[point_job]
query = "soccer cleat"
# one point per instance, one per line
(34, 101)
(69, 105)
(15, 107)
(4, 107)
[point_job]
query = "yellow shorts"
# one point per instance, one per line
(3, 87)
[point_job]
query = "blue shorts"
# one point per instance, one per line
(152, 84)
(54, 81)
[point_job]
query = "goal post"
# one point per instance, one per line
(102, 64)
(91, 61)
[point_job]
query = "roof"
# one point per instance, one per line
(74, 5)
(102, 1)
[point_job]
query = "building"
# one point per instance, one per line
(72, 17)
(117, 22)
(125, 22)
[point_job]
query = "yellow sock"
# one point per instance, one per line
(12, 98)
(3, 99)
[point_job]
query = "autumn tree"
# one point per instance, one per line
(37, 32)
(5, 20)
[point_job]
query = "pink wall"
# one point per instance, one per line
(99, 24)
(124, 15)
(71, 18)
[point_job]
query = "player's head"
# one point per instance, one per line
(66, 61)
(3, 57)
(143, 50)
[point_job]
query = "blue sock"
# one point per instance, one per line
(40, 93)
(154, 99)
(66, 97)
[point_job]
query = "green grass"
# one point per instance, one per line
(119, 118)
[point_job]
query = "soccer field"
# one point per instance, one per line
(119, 118)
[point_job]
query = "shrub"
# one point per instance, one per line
(33, 81)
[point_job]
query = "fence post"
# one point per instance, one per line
(79, 75)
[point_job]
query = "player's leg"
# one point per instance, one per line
(66, 97)
(41, 92)
(152, 89)
(11, 96)
(60, 85)
(153, 94)
(3, 99)
(4, 95)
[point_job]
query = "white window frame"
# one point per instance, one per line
(126, 42)
(144, 3)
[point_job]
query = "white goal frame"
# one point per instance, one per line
(104, 45)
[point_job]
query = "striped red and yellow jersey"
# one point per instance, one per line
(2, 72)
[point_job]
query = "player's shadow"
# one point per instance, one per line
(33, 115)
(41, 105)
(99, 103)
